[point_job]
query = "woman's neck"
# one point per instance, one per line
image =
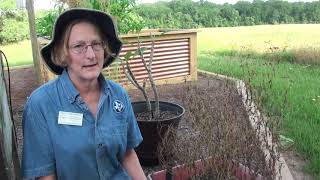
(90, 92)
(87, 87)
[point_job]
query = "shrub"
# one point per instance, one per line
(45, 23)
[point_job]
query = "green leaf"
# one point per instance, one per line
(141, 50)
(128, 55)
(286, 142)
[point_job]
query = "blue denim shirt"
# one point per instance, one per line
(92, 151)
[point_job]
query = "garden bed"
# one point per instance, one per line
(219, 96)
(215, 124)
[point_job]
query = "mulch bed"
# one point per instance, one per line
(23, 83)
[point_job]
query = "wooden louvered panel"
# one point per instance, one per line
(161, 60)
(157, 48)
(158, 75)
(161, 67)
(163, 76)
(158, 43)
(165, 46)
(161, 57)
(171, 58)
(159, 52)
(157, 64)
(141, 73)
(140, 70)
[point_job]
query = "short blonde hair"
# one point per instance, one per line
(60, 49)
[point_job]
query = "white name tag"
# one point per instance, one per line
(70, 118)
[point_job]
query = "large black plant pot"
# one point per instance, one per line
(154, 131)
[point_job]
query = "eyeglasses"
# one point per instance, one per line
(82, 47)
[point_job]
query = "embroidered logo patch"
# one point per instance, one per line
(118, 106)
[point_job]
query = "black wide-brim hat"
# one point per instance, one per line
(102, 20)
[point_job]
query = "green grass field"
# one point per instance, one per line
(288, 88)
(19, 53)
(259, 38)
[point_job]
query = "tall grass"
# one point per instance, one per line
(299, 42)
(294, 69)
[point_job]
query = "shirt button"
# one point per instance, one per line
(100, 145)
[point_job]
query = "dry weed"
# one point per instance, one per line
(218, 127)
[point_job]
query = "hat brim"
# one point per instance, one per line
(104, 22)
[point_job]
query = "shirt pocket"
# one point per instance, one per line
(115, 140)
(119, 129)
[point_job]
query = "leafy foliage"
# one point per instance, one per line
(13, 23)
(14, 26)
(7, 4)
(121, 10)
(190, 14)
(44, 25)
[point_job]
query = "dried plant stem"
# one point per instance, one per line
(152, 82)
(153, 114)
(135, 83)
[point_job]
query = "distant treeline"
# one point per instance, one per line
(189, 14)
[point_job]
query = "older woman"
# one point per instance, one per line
(81, 126)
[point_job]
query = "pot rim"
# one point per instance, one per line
(163, 102)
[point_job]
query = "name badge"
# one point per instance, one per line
(70, 118)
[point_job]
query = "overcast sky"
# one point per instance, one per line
(47, 4)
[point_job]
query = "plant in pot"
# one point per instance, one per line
(154, 117)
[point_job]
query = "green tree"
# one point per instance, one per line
(230, 15)
(313, 12)
(298, 12)
(7, 5)
(187, 13)
(122, 11)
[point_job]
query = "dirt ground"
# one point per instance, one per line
(23, 83)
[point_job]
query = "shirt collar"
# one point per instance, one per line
(72, 92)
(103, 84)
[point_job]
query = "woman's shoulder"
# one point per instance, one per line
(115, 86)
(42, 93)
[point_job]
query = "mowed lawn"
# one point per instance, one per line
(18, 53)
(288, 91)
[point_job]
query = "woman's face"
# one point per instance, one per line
(85, 52)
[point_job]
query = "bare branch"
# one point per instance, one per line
(151, 80)
(128, 72)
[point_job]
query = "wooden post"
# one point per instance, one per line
(7, 137)
(33, 38)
